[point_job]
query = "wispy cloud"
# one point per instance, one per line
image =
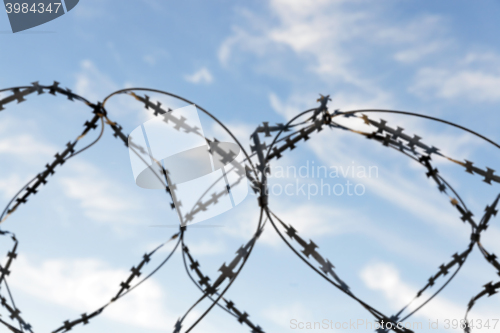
(317, 30)
(19, 150)
(84, 285)
(472, 85)
(153, 57)
(11, 185)
(18, 141)
(203, 75)
(283, 314)
(385, 278)
(92, 83)
(322, 35)
(400, 190)
(99, 197)
(26, 146)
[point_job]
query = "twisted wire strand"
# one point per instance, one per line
(321, 118)
(275, 152)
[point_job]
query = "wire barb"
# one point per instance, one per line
(264, 152)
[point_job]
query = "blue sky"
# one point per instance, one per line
(248, 62)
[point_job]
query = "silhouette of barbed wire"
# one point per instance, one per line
(299, 129)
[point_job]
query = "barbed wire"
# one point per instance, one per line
(299, 129)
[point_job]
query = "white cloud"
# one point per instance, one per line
(400, 190)
(100, 198)
(304, 27)
(281, 315)
(348, 101)
(385, 278)
(149, 59)
(241, 131)
(84, 285)
(10, 186)
(23, 149)
(226, 47)
(242, 40)
(292, 107)
(420, 37)
(153, 57)
(416, 30)
(417, 53)
(201, 76)
(474, 77)
(319, 30)
(92, 83)
(313, 220)
(395, 187)
(322, 222)
(26, 146)
(488, 58)
(474, 85)
(335, 40)
(206, 248)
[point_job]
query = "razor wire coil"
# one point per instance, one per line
(296, 131)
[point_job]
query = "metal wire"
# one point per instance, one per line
(302, 127)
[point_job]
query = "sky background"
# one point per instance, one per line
(248, 62)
